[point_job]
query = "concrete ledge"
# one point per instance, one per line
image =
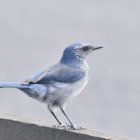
(14, 128)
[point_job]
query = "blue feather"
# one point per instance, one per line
(69, 77)
(12, 85)
(69, 57)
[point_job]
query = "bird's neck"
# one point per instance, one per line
(72, 61)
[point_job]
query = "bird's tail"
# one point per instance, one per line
(12, 85)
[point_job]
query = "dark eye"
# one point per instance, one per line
(85, 48)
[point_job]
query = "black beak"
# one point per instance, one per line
(98, 47)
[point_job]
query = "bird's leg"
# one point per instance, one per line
(71, 124)
(54, 115)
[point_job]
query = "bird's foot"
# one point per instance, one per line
(69, 127)
(74, 127)
(60, 126)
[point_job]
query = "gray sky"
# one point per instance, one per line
(33, 35)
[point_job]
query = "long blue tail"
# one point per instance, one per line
(13, 85)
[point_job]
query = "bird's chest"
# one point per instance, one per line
(78, 86)
(70, 89)
(65, 90)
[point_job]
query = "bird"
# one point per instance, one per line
(59, 84)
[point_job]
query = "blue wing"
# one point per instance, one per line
(58, 73)
(67, 77)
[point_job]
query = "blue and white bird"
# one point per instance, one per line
(60, 83)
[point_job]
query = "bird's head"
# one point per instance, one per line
(77, 52)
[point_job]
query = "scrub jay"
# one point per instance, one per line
(60, 83)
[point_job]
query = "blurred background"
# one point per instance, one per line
(33, 35)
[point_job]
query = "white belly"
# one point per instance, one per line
(66, 91)
(62, 92)
(78, 86)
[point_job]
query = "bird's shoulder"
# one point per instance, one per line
(58, 73)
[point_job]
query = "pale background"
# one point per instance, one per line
(33, 35)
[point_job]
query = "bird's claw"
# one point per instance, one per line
(69, 127)
(74, 127)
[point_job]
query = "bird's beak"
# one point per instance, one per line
(96, 48)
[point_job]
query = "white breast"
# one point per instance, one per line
(78, 86)
(65, 91)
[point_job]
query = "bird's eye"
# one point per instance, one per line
(85, 48)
